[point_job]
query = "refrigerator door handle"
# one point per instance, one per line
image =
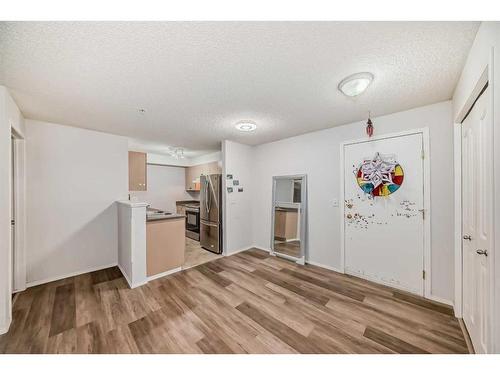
(214, 193)
(205, 191)
(209, 224)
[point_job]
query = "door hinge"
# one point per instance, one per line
(423, 154)
(12, 222)
(422, 210)
(423, 274)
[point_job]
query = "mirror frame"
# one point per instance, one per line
(302, 217)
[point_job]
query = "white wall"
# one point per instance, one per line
(163, 159)
(166, 185)
(74, 177)
(10, 117)
(485, 55)
(207, 158)
(317, 155)
(238, 160)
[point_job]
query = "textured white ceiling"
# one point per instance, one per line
(197, 79)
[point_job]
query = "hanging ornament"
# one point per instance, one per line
(369, 126)
(380, 176)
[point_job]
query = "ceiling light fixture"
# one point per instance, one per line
(246, 126)
(355, 84)
(176, 152)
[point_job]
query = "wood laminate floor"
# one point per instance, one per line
(245, 303)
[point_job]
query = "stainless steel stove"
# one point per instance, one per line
(193, 221)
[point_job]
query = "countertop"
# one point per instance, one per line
(157, 217)
(165, 217)
(187, 203)
(287, 209)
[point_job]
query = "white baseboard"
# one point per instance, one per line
(324, 266)
(248, 248)
(126, 277)
(148, 279)
(72, 274)
(444, 301)
(237, 251)
(163, 274)
(261, 248)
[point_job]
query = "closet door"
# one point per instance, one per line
(477, 200)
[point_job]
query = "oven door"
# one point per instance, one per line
(193, 220)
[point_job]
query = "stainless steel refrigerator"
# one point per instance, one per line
(211, 213)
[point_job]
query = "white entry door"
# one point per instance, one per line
(477, 220)
(383, 217)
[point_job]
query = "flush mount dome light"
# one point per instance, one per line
(355, 84)
(246, 126)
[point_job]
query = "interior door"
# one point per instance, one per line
(383, 217)
(477, 220)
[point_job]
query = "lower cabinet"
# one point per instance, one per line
(285, 225)
(165, 245)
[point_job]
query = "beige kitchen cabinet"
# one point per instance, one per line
(193, 178)
(194, 173)
(137, 171)
(285, 224)
(165, 245)
(211, 168)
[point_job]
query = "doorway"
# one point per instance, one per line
(385, 216)
(12, 210)
(17, 212)
(477, 220)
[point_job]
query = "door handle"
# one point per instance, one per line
(208, 224)
(482, 252)
(467, 237)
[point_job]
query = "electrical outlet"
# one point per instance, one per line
(335, 202)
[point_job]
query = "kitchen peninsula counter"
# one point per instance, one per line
(165, 244)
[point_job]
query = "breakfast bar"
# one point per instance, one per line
(151, 242)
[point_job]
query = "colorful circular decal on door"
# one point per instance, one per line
(380, 176)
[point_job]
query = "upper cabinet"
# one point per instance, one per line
(137, 172)
(194, 173)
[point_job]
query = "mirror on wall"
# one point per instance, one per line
(289, 217)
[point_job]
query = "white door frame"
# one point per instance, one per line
(427, 200)
(480, 84)
(19, 253)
